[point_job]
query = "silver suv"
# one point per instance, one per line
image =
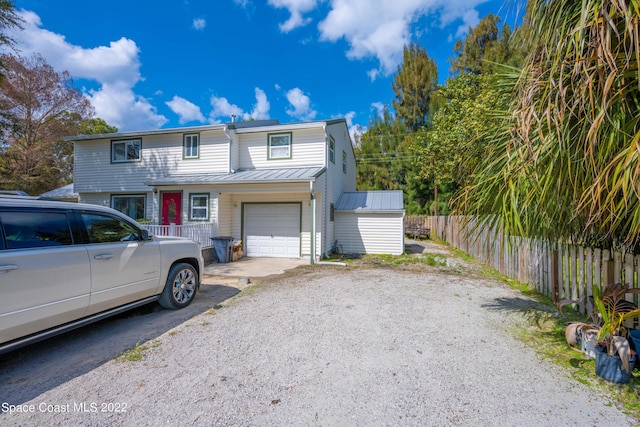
(64, 265)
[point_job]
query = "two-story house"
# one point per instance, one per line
(274, 186)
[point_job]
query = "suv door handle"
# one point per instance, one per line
(7, 268)
(103, 256)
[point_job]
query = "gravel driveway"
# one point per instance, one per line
(326, 346)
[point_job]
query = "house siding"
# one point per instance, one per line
(379, 233)
(96, 178)
(336, 180)
(161, 155)
(307, 149)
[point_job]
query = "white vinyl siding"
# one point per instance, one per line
(370, 233)
(161, 155)
(336, 182)
(308, 148)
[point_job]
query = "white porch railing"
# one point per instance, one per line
(199, 233)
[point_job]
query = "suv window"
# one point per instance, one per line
(106, 228)
(24, 229)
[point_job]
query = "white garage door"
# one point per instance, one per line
(272, 230)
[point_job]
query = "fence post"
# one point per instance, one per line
(609, 273)
(555, 284)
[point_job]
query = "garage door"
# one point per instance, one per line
(272, 230)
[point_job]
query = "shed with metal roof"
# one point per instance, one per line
(370, 222)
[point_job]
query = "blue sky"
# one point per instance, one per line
(159, 64)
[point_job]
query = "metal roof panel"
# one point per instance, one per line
(247, 176)
(385, 200)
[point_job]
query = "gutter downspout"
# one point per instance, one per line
(312, 239)
(229, 168)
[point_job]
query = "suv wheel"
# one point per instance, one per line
(181, 286)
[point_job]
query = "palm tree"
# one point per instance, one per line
(566, 162)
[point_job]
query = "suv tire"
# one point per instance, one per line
(181, 287)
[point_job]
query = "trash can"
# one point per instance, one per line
(222, 248)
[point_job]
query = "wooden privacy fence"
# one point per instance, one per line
(560, 271)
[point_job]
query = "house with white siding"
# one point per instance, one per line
(274, 186)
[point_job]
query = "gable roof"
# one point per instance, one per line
(248, 176)
(371, 201)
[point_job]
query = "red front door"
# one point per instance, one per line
(171, 208)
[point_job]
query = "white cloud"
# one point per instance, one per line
(470, 19)
(296, 8)
(137, 114)
(199, 23)
(116, 68)
(223, 108)
(260, 108)
(301, 105)
(187, 111)
(379, 107)
(378, 28)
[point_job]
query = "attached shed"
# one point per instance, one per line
(370, 222)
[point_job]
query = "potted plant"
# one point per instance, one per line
(613, 357)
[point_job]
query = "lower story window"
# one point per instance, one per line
(131, 205)
(198, 207)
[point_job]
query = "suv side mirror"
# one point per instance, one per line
(145, 234)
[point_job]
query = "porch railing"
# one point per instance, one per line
(199, 233)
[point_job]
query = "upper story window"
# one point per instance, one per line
(344, 161)
(191, 146)
(279, 146)
(125, 151)
(332, 149)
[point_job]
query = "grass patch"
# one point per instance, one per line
(388, 261)
(136, 353)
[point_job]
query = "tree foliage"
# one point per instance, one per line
(8, 20)
(413, 86)
(95, 126)
(38, 107)
(566, 164)
(488, 46)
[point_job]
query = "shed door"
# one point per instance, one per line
(272, 230)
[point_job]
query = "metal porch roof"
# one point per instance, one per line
(371, 201)
(251, 176)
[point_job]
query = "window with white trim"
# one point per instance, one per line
(132, 205)
(199, 207)
(125, 151)
(191, 146)
(332, 150)
(279, 146)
